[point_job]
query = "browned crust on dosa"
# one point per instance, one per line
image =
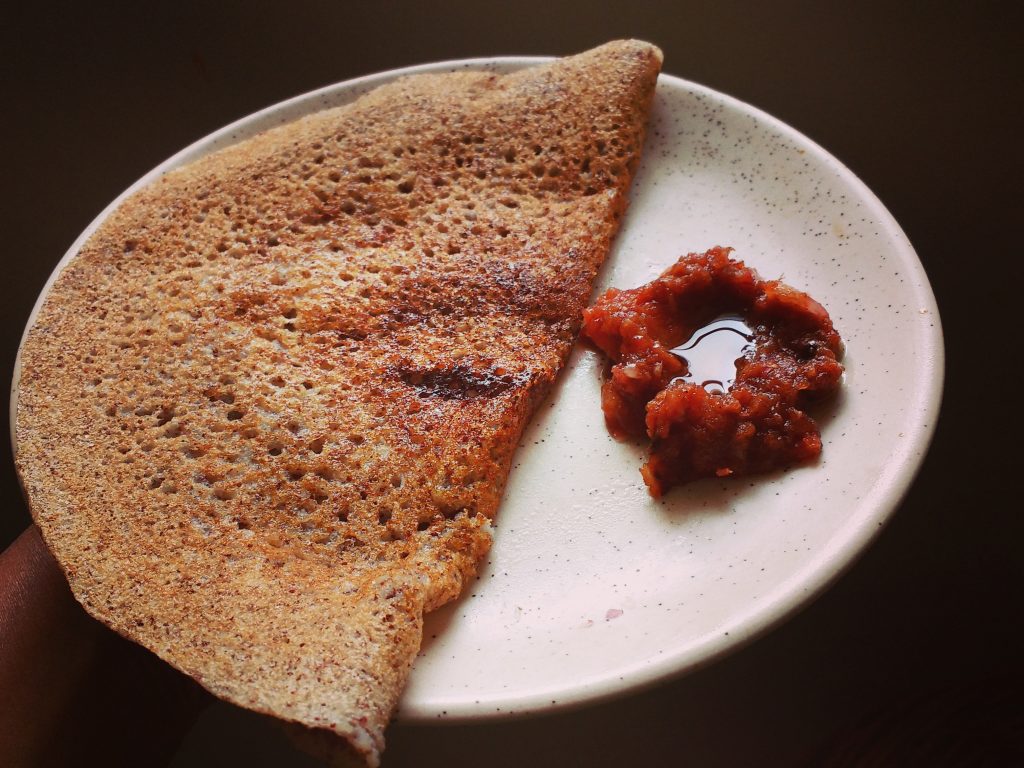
(267, 412)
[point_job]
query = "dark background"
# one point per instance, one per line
(922, 101)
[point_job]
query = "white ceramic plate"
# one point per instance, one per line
(592, 588)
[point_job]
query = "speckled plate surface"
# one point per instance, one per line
(592, 588)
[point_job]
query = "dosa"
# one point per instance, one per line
(267, 412)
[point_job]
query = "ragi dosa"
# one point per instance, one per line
(267, 412)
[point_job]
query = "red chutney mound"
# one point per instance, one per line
(759, 424)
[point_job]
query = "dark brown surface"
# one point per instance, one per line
(921, 103)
